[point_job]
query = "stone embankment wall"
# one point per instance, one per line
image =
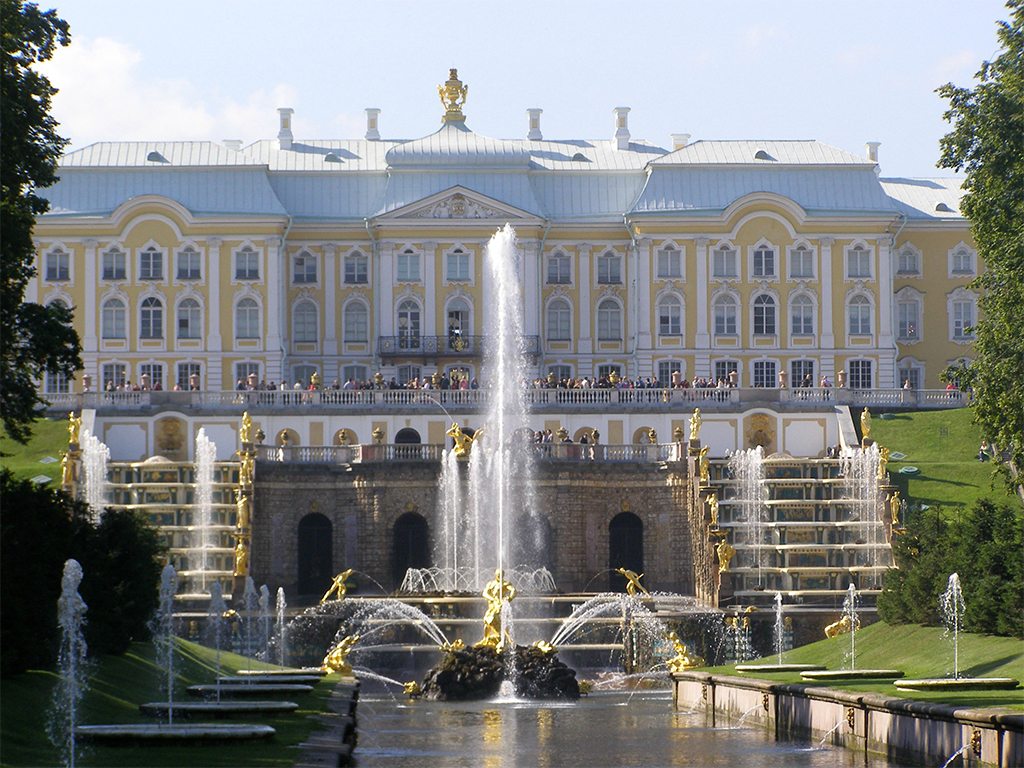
(902, 729)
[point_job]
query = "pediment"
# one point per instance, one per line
(459, 203)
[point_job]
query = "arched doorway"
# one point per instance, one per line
(411, 547)
(316, 554)
(625, 547)
(407, 436)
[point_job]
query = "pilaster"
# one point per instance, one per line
(213, 337)
(89, 342)
(703, 338)
(387, 288)
(530, 278)
(276, 281)
(430, 297)
(643, 288)
(330, 300)
(887, 349)
(586, 343)
(828, 339)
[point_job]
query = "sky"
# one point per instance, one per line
(843, 73)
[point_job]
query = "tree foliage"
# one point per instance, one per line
(987, 143)
(983, 544)
(39, 530)
(33, 339)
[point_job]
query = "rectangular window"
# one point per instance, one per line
(670, 263)
(457, 265)
(559, 270)
(858, 263)
(114, 375)
(764, 262)
(907, 264)
(58, 383)
(907, 320)
(189, 267)
(247, 265)
(724, 367)
(665, 370)
(561, 371)
(913, 375)
(304, 374)
(242, 371)
(765, 373)
(725, 318)
(409, 267)
(305, 269)
(57, 266)
(356, 270)
(606, 370)
(723, 263)
(609, 269)
(356, 373)
(962, 262)
(963, 319)
(155, 371)
(114, 265)
(801, 263)
(407, 373)
(860, 374)
(151, 265)
(799, 371)
(185, 373)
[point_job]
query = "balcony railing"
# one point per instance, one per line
(444, 346)
(618, 400)
(363, 454)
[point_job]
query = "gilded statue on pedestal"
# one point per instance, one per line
(247, 470)
(652, 436)
(67, 469)
(241, 558)
(883, 459)
(713, 505)
(695, 422)
(865, 424)
(337, 659)
(497, 593)
(74, 427)
(463, 442)
(632, 581)
(338, 586)
(725, 554)
(245, 431)
(682, 660)
(702, 465)
(242, 509)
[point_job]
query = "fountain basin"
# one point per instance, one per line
(959, 684)
(277, 680)
(250, 690)
(217, 708)
(780, 667)
(177, 733)
(852, 675)
(276, 673)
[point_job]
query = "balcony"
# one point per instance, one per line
(436, 347)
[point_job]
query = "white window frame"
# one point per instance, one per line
(561, 371)
(806, 365)
(248, 327)
(609, 320)
(866, 311)
(187, 253)
(668, 366)
(252, 256)
(855, 381)
(156, 374)
(349, 372)
(909, 297)
(907, 367)
(761, 300)
(113, 320)
(559, 267)
(356, 265)
(669, 326)
(58, 266)
(955, 303)
(194, 330)
(308, 309)
(723, 257)
(407, 266)
(908, 261)
(795, 254)
(184, 370)
(725, 365)
(412, 336)
(763, 247)
(458, 265)
(114, 265)
(764, 372)
(609, 268)
(558, 328)
(854, 251)
(798, 325)
(722, 329)
(113, 371)
(305, 270)
(965, 257)
(670, 262)
(151, 263)
(355, 330)
(151, 329)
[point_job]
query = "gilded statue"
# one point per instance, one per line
(545, 647)
(702, 465)
(725, 554)
(841, 627)
(463, 442)
(497, 593)
(242, 508)
(67, 469)
(682, 660)
(338, 587)
(895, 505)
(883, 459)
(652, 436)
(74, 427)
(378, 436)
(695, 422)
(713, 505)
(865, 424)
(337, 659)
(245, 431)
(412, 689)
(453, 647)
(247, 470)
(632, 581)
(241, 558)
(343, 437)
(453, 96)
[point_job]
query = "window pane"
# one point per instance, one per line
(151, 265)
(764, 315)
(801, 263)
(305, 322)
(57, 266)
(665, 370)
(609, 321)
(724, 263)
(764, 262)
(151, 319)
(356, 322)
(558, 269)
(669, 263)
(725, 317)
(247, 320)
(907, 320)
(189, 319)
(724, 367)
(609, 269)
(859, 263)
(558, 321)
(860, 374)
(188, 265)
(247, 265)
(670, 317)
(356, 269)
(765, 373)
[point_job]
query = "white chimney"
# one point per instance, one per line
(680, 140)
(235, 144)
(622, 127)
(534, 134)
(372, 134)
(871, 150)
(284, 135)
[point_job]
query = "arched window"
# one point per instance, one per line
(559, 269)
(458, 319)
(151, 319)
(858, 262)
(725, 316)
(670, 262)
(356, 321)
(247, 264)
(247, 319)
(57, 266)
(764, 315)
(801, 262)
(409, 324)
(670, 316)
(408, 266)
(189, 319)
(802, 312)
(457, 265)
(609, 321)
(189, 264)
(113, 319)
(151, 264)
(860, 316)
(304, 326)
(559, 322)
(304, 268)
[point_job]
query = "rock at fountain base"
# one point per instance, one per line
(477, 672)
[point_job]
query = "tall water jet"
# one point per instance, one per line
(952, 603)
(71, 664)
(447, 548)
(95, 456)
(282, 627)
(779, 628)
(216, 624)
(250, 601)
(852, 620)
(201, 539)
(163, 634)
(264, 601)
(747, 468)
(860, 468)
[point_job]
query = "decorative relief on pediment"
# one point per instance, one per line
(459, 207)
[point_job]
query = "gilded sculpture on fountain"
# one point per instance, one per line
(338, 587)
(245, 430)
(632, 581)
(241, 558)
(865, 424)
(497, 593)
(726, 551)
(463, 442)
(74, 427)
(242, 509)
(702, 465)
(337, 659)
(682, 660)
(695, 422)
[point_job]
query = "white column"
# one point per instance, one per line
(213, 338)
(703, 338)
(430, 297)
(90, 342)
(276, 281)
(886, 348)
(482, 273)
(387, 288)
(828, 340)
(531, 294)
(586, 343)
(330, 297)
(643, 287)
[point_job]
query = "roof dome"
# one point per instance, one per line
(455, 146)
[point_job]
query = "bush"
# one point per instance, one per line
(984, 544)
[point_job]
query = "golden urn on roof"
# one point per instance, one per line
(453, 96)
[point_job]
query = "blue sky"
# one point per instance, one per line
(840, 72)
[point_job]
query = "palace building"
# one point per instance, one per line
(202, 263)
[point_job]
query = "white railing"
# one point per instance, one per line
(362, 454)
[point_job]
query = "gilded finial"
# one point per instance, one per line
(453, 96)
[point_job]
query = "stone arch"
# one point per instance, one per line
(407, 436)
(641, 436)
(315, 556)
(410, 545)
(293, 438)
(351, 438)
(625, 548)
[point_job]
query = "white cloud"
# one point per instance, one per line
(103, 98)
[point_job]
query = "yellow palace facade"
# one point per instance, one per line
(202, 263)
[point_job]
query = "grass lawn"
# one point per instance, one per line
(944, 446)
(49, 438)
(920, 652)
(119, 684)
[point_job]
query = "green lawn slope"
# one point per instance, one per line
(118, 685)
(48, 439)
(920, 652)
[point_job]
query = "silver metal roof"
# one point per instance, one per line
(766, 153)
(166, 154)
(923, 199)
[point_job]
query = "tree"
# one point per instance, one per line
(33, 339)
(987, 143)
